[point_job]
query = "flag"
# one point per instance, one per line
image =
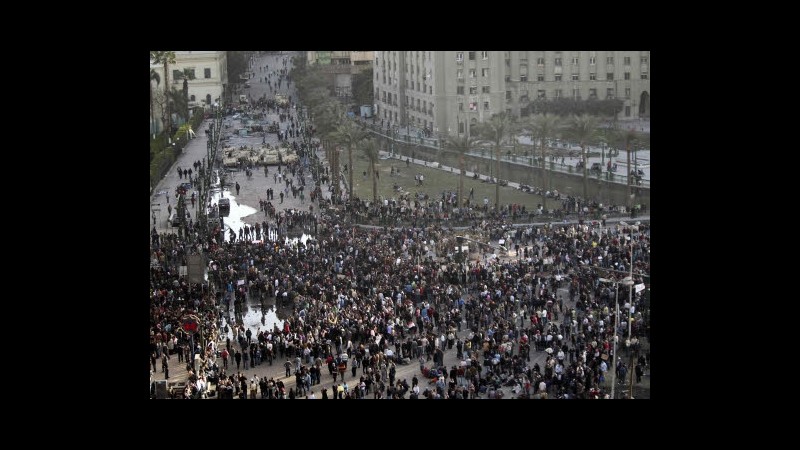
(639, 287)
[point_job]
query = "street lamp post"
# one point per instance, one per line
(626, 282)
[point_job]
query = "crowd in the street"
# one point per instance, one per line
(379, 297)
(360, 301)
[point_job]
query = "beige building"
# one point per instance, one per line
(210, 72)
(341, 66)
(441, 90)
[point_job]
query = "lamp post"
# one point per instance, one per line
(630, 302)
(627, 281)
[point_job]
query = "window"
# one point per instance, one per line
(574, 60)
(609, 60)
(540, 62)
(591, 60)
(610, 76)
(508, 95)
(592, 76)
(485, 72)
(460, 90)
(644, 76)
(176, 75)
(191, 98)
(430, 90)
(558, 62)
(627, 60)
(540, 77)
(523, 78)
(472, 73)
(460, 127)
(610, 93)
(592, 93)
(558, 93)
(473, 106)
(558, 77)
(541, 94)
(190, 73)
(508, 78)
(459, 56)
(523, 97)
(576, 93)
(460, 74)
(472, 56)
(460, 106)
(627, 75)
(575, 77)
(207, 73)
(627, 111)
(485, 89)
(627, 92)
(473, 90)
(644, 59)
(484, 55)
(485, 106)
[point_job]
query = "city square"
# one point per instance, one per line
(328, 246)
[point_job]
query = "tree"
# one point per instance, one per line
(179, 103)
(627, 138)
(154, 76)
(349, 134)
(185, 98)
(494, 132)
(362, 87)
(166, 58)
(543, 127)
(370, 148)
(583, 129)
(461, 145)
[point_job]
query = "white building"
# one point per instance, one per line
(441, 90)
(208, 77)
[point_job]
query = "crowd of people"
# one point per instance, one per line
(376, 297)
(358, 302)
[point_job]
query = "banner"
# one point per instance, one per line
(639, 287)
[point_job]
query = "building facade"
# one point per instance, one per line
(208, 77)
(443, 90)
(340, 66)
(210, 69)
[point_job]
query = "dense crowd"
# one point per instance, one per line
(360, 301)
(374, 298)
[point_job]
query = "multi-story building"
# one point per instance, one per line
(208, 76)
(210, 70)
(341, 66)
(442, 90)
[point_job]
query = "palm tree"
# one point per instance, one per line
(166, 58)
(544, 127)
(154, 76)
(179, 102)
(370, 149)
(349, 134)
(583, 129)
(627, 138)
(461, 145)
(327, 116)
(494, 132)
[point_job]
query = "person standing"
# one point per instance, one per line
(225, 355)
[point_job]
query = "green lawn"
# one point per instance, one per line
(436, 181)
